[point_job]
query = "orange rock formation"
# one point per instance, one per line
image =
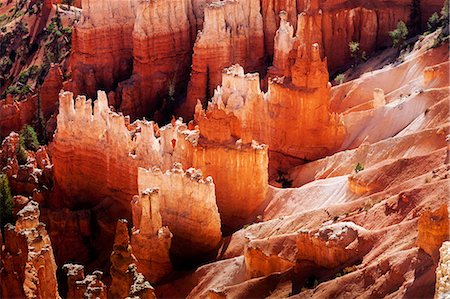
(232, 33)
(113, 146)
(149, 238)
(197, 229)
(28, 265)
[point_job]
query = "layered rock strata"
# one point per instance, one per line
(118, 148)
(240, 109)
(150, 240)
(196, 229)
(102, 51)
(338, 23)
(232, 33)
(28, 265)
(163, 36)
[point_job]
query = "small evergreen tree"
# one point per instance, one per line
(339, 79)
(399, 35)
(6, 202)
(359, 167)
(354, 51)
(28, 138)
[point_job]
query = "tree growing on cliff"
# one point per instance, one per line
(339, 79)
(28, 138)
(6, 202)
(399, 35)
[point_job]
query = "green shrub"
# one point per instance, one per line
(28, 138)
(339, 79)
(433, 22)
(6, 202)
(399, 35)
(359, 167)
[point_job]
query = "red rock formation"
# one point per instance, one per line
(80, 286)
(340, 22)
(232, 33)
(160, 26)
(251, 114)
(140, 288)
(36, 172)
(14, 115)
(49, 92)
(121, 258)
(433, 230)
(102, 51)
(197, 229)
(119, 152)
(150, 240)
(28, 265)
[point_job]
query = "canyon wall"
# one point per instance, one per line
(102, 51)
(232, 33)
(105, 163)
(340, 22)
(293, 118)
(150, 240)
(163, 37)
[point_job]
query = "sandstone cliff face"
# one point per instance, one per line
(28, 265)
(102, 51)
(118, 152)
(196, 229)
(150, 240)
(240, 106)
(433, 230)
(339, 22)
(14, 115)
(443, 272)
(160, 26)
(49, 91)
(232, 33)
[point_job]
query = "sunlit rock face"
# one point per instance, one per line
(163, 36)
(232, 33)
(102, 51)
(118, 148)
(28, 264)
(188, 207)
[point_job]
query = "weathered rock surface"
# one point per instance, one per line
(433, 230)
(80, 286)
(28, 265)
(188, 207)
(150, 240)
(121, 258)
(117, 151)
(232, 33)
(163, 36)
(443, 272)
(14, 115)
(102, 51)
